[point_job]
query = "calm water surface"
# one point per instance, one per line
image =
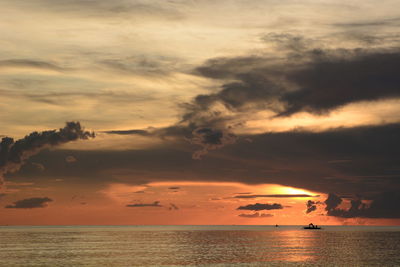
(199, 246)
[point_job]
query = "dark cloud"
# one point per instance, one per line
(140, 205)
(129, 132)
(13, 154)
(251, 88)
(24, 63)
(210, 139)
(312, 205)
(276, 195)
(304, 78)
(250, 83)
(364, 77)
(208, 124)
(256, 215)
(259, 206)
(311, 208)
(305, 82)
(30, 203)
(383, 205)
(332, 202)
(174, 187)
(297, 159)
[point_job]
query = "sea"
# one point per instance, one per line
(199, 246)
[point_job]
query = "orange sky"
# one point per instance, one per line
(196, 203)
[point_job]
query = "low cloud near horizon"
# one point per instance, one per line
(30, 203)
(259, 206)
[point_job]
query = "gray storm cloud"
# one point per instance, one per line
(307, 81)
(13, 154)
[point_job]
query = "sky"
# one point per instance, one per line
(193, 112)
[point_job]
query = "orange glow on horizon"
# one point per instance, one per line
(197, 203)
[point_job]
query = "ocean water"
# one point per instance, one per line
(198, 246)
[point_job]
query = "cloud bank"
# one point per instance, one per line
(383, 205)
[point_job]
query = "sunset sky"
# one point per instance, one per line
(199, 112)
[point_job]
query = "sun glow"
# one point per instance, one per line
(280, 189)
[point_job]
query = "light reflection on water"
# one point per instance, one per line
(199, 246)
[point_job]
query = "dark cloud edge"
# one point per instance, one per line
(383, 205)
(30, 203)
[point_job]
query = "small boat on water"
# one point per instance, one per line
(312, 227)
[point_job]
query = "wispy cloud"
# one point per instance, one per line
(256, 215)
(29, 63)
(141, 205)
(104, 8)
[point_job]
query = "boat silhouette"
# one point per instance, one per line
(312, 227)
